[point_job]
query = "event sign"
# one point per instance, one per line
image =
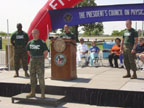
(85, 15)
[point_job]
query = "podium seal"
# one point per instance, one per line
(60, 60)
(59, 45)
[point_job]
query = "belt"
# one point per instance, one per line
(127, 44)
(37, 57)
(19, 46)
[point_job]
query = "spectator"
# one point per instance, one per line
(83, 51)
(121, 61)
(115, 53)
(140, 50)
(94, 51)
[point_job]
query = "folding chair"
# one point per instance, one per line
(95, 59)
(107, 46)
(139, 64)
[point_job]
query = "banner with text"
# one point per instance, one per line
(85, 15)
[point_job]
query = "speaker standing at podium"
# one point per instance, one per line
(38, 51)
(63, 56)
(67, 33)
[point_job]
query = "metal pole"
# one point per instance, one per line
(48, 34)
(8, 45)
(49, 54)
(143, 28)
(136, 25)
(48, 40)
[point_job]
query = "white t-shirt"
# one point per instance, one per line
(82, 47)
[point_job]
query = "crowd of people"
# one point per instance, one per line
(90, 54)
(126, 50)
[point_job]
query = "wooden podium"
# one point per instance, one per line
(63, 59)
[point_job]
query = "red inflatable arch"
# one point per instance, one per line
(42, 19)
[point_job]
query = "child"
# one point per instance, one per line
(94, 51)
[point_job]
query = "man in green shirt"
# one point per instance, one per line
(67, 33)
(37, 50)
(19, 40)
(129, 43)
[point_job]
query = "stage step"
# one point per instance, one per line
(51, 100)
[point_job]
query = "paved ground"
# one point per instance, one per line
(6, 103)
(89, 77)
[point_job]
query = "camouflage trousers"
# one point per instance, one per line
(20, 54)
(129, 59)
(37, 70)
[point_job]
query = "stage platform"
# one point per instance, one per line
(88, 77)
(94, 85)
(50, 100)
(5, 102)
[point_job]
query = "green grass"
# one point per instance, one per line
(100, 46)
(48, 42)
(4, 43)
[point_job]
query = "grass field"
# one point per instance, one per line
(5, 42)
(100, 46)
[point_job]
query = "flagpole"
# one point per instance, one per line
(49, 55)
(136, 25)
(48, 33)
(8, 45)
(48, 38)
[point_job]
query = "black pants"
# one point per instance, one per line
(115, 57)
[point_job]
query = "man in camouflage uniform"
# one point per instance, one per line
(129, 43)
(67, 33)
(19, 40)
(37, 50)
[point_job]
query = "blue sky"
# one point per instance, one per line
(25, 10)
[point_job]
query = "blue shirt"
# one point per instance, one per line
(94, 49)
(140, 49)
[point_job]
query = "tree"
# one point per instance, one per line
(89, 29)
(117, 33)
(122, 32)
(93, 29)
(3, 34)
